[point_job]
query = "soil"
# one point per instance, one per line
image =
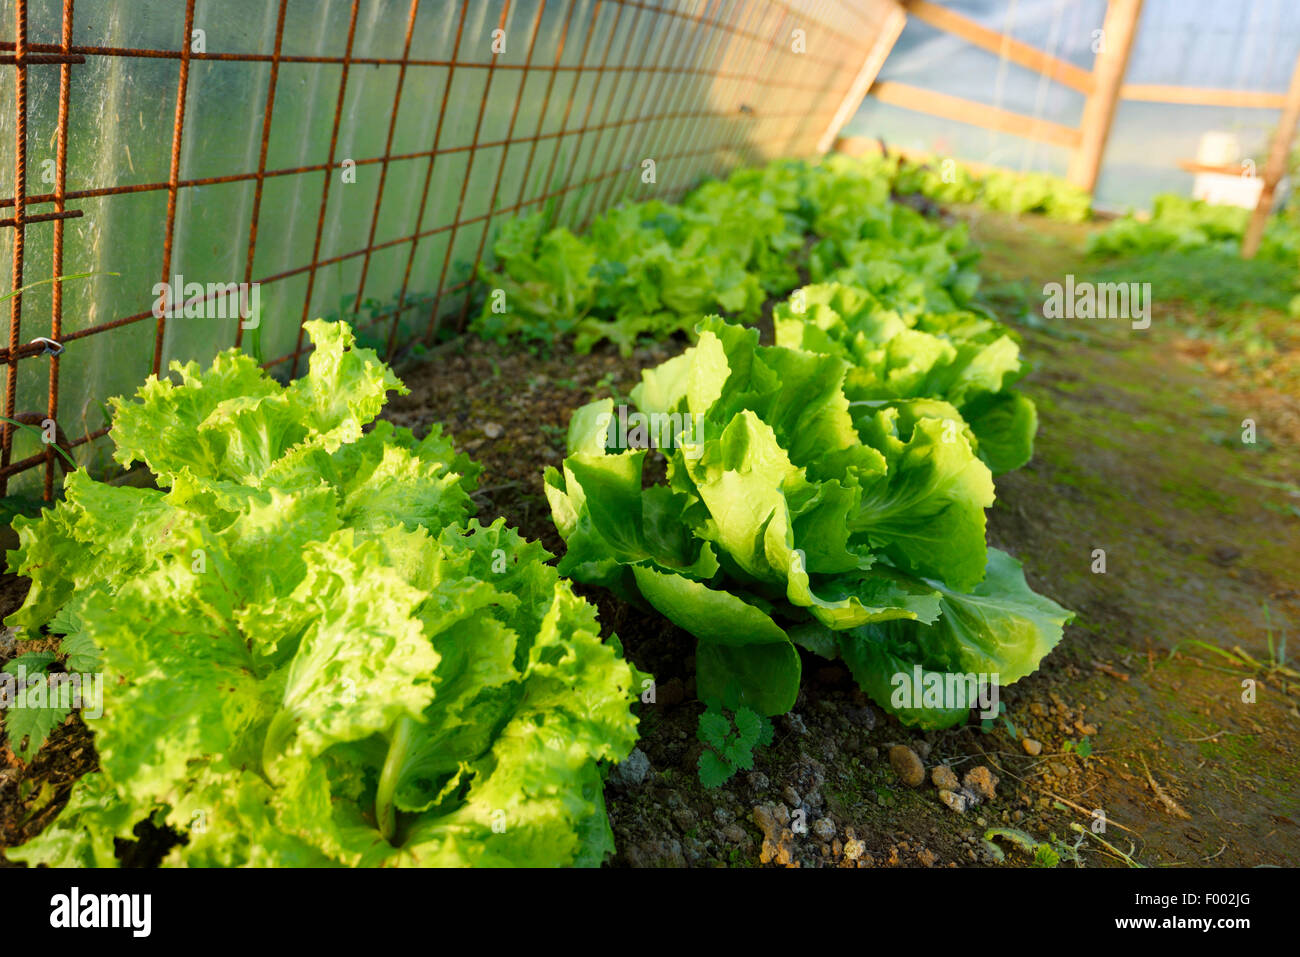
(1162, 731)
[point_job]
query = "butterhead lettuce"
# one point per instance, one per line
(790, 515)
(958, 358)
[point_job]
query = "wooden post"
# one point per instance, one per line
(884, 42)
(1118, 32)
(1275, 168)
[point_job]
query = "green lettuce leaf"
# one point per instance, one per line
(1000, 629)
(786, 509)
(311, 657)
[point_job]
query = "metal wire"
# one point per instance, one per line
(20, 233)
(697, 85)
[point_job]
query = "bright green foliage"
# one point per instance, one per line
(310, 658)
(652, 269)
(644, 269)
(949, 181)
(1177, 222)
(730, 742)
(957, 365)
(789, 515)
(909, 263)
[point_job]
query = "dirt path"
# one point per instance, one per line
(1141, 453)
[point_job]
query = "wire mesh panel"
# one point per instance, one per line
(215, 172)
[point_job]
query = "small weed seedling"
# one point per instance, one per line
(730, 742)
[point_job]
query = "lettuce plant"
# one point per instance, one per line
(790, 516)
(311, 658)
(643, 269)
(957, 366)
(1179, 223)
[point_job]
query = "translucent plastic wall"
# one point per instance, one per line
(1245, 45)
(932, 59)
(353, 158)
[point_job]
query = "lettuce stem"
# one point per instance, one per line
(398, 746)
(277, 737)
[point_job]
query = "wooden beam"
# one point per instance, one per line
(1192, 166)
(1202, 96)
(857, 145)
(976, 114)
(1275, 168)
(1014, 50)
(1118, 31)
(877, 53)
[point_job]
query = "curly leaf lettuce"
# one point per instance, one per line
(311, 658)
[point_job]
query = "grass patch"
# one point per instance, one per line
(1207, 277)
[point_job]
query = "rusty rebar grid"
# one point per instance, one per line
(428, 178)
(173, 182)
(719, 93)
(388, 148)
(20, 231)
(56, 265)
(329, 177)
(267, 117)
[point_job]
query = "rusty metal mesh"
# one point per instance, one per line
(353, 157)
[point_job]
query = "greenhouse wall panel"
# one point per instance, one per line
(356, 158)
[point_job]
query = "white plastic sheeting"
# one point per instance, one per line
(1245, 45)
(582, 92)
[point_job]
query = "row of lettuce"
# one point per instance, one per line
(315, 656)
(652, 269)
(946, 180)
(1178, 223)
